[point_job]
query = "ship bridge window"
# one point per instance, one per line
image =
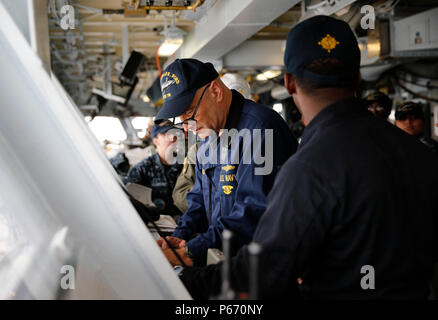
(140, 124)
(107, 129)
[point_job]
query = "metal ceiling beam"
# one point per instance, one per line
(229, 23)
(325, 8)
(252, 54)
(137, 7)
(141, 23)
(100, 51)
(100, 43)
(145, 36)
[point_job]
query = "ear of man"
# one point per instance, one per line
(216, 91)
(155, 140)
(289, 83)
(358, 80)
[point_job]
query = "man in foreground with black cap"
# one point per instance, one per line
(349, 220)
(231, 183)
(156, 172)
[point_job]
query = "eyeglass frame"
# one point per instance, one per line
(180, 125)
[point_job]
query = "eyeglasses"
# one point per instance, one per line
(376, 108)
(180, 125)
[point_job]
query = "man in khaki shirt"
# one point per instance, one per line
(186, 180)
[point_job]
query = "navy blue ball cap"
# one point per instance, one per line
(179, 83)
(321, 37)
(161, 127)
(409, 108)
(380, 98)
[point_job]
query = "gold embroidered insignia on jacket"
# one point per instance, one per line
(227, 189)
(228, 168)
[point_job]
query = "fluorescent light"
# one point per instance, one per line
(173, 38)
(268, 74)
(169, 46)
(373, 49)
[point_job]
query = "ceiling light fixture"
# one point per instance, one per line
(173, 38)
(268, 74)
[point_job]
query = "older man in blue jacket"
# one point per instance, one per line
(244, 145)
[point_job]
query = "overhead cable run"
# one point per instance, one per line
(398, 82)
(168, 5)
(132, 8)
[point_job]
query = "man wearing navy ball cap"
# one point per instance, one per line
(353, 213)
(225, 195)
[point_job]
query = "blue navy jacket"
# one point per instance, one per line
(358, 193)
(229, 195)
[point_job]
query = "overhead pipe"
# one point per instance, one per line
(129, 5)
(91, 9)
(73, 77)
(75, 62)
(61, 59)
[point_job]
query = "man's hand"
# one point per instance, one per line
(174, 260)
(174, 242)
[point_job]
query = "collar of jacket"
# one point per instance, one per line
(235, 111)
(157, 161)
(332, 112)
(233, 119)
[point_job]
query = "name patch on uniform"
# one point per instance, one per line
(227, 177)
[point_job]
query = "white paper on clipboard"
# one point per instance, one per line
(141, 193)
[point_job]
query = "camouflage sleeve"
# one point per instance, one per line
(138, 174)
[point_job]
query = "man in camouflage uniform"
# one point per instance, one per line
(154, 172)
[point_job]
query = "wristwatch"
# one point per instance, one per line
(178, 270)
(189, 253)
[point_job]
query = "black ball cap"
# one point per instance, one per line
(409, 108)
(380, 98)
(161, 127)
(317, 38)
(179, 83)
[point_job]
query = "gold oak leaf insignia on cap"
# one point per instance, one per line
(328, 43)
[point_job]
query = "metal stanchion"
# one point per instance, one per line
(254, 250)
(226, 293)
